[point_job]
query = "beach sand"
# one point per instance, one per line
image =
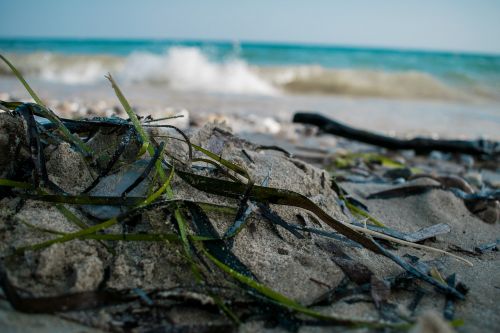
(298, 268)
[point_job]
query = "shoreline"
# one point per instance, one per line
(399, 117)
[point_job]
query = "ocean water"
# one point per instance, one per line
(261, 68)
(394, 91)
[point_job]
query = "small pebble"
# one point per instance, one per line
(474, 178)
(408, 154)
(436, 155)
(403, 173)
(467, 161)
(399, 181)
(439, 156)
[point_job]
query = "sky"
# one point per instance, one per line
(449, 25)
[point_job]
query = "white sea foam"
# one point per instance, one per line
(77, 73)
(187, 68)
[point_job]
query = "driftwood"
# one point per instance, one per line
(484, 148)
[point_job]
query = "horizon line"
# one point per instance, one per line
(263, 42)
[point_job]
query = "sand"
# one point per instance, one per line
(298, 268)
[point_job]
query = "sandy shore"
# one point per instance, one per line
(301, 268)
(402, 117)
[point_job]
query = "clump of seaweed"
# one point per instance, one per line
(202, 247)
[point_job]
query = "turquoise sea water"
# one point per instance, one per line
(262, 68)
(396, 91)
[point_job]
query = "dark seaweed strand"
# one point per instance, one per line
(218, 168)
(168, 165)
(85, 200)
(173, 138)
(83, 126)
(36, 149)
(404, 191)
(355, 271)
(37, 157)
(446, 289)
(74, 140)
(247, 156)
(274, 228)
(346, 197)
(274, 148)
(114, 158)
(241, 217)
(385, 231)
(199, 220)
(449, 307)
(274, 218)
(182, 205)
(325, 233)
(419, 295)
(217, 248)
(40, 175)
(186, 138)
(8, 106)
(147, 170)
(49, 136)
(147, 121)
(215, 162)
(357, 203)
(173, 158)
(231, 166)
(163, 204)
(333, 293)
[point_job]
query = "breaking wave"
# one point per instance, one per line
(189, 69)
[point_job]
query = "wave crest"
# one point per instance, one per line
(186, 68)
(315, 79)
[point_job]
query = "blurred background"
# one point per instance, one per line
(401, 67)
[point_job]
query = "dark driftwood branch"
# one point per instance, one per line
(420, 145)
